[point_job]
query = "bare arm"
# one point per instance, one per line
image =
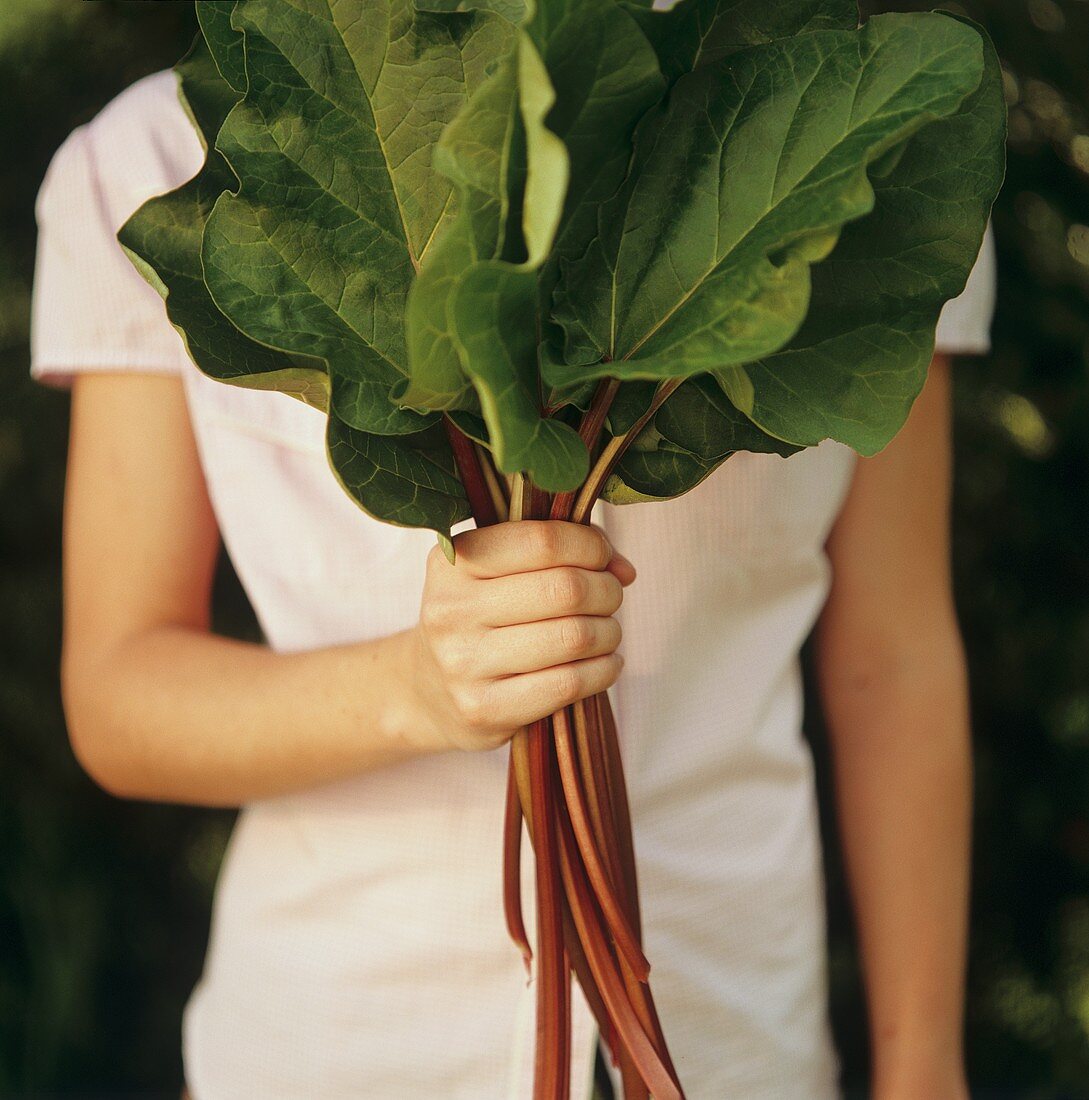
(892, 676)
(160, 708)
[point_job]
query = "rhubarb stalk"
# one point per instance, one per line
(566, 781)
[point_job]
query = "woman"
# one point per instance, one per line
(357, 944)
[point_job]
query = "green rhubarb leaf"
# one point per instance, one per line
(861, 356)
(224, 43)
(691, 435)
(163, 239)
(700, 418)
(495, 308)
(472, 315)
(657, 472)
(694, 431)
(409, 480)
(596, 111)
(514, 10)
(740, 182)
(597, 106)
(483, 153)
(339, 203)
(702, 32)
(495, 312)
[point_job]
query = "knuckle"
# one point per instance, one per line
(493, 739)
(472, 704)
(568, 686)
(576, 636)
(544, 540)
(430, 616)
(603, 552)
(452, 656)
(614, 592)
(568, 589)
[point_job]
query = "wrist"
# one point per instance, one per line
(921, 1083)
(927, 1065)
(404, 721)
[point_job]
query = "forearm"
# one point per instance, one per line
(181, 715)
(903, 780)
(159, 708)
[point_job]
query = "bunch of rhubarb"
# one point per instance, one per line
(531, 254)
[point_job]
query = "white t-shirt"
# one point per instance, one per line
(357, 946)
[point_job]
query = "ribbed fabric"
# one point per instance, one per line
(357, 945)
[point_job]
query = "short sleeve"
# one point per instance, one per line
(964, 327)
(91, 309)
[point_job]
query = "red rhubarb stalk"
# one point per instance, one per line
(606, 734)
(652, 1066)
(615, 918)
(512, 871)
(552, 1071)
(471, 473)
(566, 781)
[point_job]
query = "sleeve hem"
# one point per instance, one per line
(60, 374)
(962, 347)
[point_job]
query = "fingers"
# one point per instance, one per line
(529, 647)
(519, 627)
(519, 700)
(622, 569)
(548, 594)
(530, 545)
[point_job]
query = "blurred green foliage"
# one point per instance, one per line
(104, 905)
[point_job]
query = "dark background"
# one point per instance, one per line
(104, 905)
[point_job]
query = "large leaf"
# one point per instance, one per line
(406, 480)
(338, 201)
(477, 324)
(740, 181)
(163, 238)
(598, 107)
(595, 110)
(495, 312)
(861, 356)
(496, 308)
(483, 152)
